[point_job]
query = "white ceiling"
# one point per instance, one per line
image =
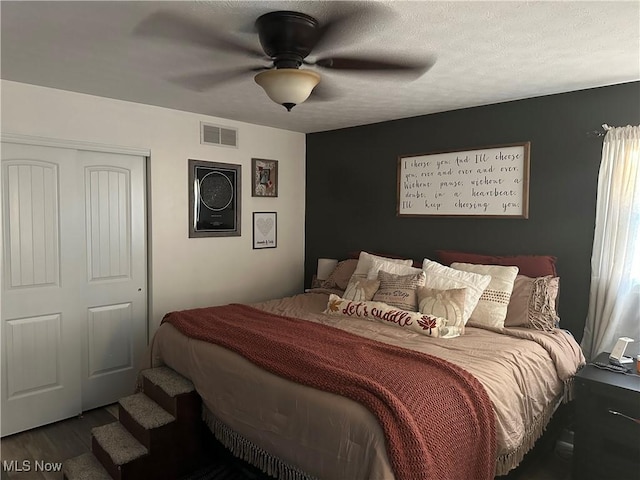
(487, 52)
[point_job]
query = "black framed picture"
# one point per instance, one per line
(265, 228)
(214, 199)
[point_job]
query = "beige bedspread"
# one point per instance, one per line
(327, 436)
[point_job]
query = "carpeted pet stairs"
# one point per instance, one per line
(159, 435)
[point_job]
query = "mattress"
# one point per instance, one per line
(284, 426)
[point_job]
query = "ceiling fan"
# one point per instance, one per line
(287, 38)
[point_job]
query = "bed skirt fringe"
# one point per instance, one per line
(508, 461)
(246, 450)
(568, 390)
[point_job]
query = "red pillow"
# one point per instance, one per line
(528, 265)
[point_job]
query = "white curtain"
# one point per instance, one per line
(614, 301)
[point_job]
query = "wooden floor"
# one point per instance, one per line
(50, 444)
(63, 440)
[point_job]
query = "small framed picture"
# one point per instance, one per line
(264, 177)
(265, 226)
(214, 199)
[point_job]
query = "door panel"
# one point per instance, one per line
(74, 318)
(40, 328)
(108, 222)
(33, 355)
(32, 216)
(114, 286)
(110, 346)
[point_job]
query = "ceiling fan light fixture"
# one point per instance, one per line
(288, 86)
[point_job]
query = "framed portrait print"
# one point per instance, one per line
(265, 226)
(264, 178)
(214, 199)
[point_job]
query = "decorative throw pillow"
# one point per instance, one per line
(361, 289)
(315, 283)
(533, 303)
(379, 264)
(325, 291)
(381, 312)
(445, 278)
(341, 275)
(529, 265)
(385, 255)
(365, 260)
(492, 304)
(399, 290)
(448, 304)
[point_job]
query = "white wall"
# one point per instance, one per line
(185, 272)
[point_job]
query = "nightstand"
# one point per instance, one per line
(607, 429)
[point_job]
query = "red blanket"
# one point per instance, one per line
(438, 420)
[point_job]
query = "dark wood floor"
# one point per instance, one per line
(63, 440)
(52, 444)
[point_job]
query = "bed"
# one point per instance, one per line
(290, 429)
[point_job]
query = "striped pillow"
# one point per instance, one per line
(491, 309)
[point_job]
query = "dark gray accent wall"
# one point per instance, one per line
(351, 185)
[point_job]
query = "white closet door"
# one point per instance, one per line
(41, 333)
(114, 276)
(68, 332)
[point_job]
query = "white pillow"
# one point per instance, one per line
(492, 305)
(447, 304)
(365, 260)
(445, 278)
(385, 265)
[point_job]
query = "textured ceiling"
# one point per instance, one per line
(486, 52)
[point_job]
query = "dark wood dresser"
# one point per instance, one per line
(607, 429)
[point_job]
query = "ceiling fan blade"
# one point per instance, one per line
(339, 27)
(201, 82)
(170, 26)
(371, 64)
(323, 92)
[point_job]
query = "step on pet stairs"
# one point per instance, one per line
(159, 434)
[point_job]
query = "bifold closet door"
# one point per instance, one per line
(114, 280)
(74, 281)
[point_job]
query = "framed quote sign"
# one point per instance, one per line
(486, 182)
(214, 199)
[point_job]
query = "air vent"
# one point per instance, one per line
(217, 135)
